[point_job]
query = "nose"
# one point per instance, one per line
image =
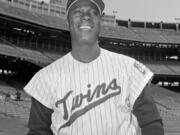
(86, 16)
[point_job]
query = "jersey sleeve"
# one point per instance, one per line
(40, 88)
(39, 119)
(140, 76)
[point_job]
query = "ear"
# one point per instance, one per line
(103, 14)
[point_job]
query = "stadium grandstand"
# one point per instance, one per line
(34, 33)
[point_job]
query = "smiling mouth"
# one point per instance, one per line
(85, 27)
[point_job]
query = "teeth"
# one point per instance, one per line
(85, 27)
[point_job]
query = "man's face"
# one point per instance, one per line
(84, 22)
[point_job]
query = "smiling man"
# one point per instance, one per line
(90, 90)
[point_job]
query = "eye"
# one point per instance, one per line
(95, 12)
(77, 12)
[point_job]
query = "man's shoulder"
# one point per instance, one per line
(118, 56)
(55, 66)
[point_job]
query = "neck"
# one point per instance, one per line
(85, 53)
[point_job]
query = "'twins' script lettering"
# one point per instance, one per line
(95, 97)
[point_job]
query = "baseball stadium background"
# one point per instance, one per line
(33, 34)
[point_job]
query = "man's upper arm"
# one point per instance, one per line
(147, 113)
(39, 119)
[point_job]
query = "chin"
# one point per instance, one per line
(87, 41)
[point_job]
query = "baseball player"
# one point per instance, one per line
(90, 90)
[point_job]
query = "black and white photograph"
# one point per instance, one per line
(89, 67)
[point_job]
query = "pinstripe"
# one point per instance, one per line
(77, 128)
(75, 92)
(65, 77)
(107, 76)
(56, 69)
(75, 81)
(90, 112)
(42, 87)
(121, 74)
(80, 76)
(96, 119)
(114, 105)
(70, 79)
(97, 109)
(100, 108)
(61, 78)
(90, 124)
(110, 104)
(103, 74)
(126, 66)
(109, 69)
(94, 82)
(98, 75)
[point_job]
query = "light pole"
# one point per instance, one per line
(177, 20)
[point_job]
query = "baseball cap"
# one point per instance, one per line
(99, 3)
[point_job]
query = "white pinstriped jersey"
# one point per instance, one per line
(93, 98)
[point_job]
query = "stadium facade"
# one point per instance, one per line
(34, 34)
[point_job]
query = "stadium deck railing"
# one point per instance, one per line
(40, 7)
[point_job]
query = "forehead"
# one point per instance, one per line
(84, 4)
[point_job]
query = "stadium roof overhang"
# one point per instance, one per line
(116, 32)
